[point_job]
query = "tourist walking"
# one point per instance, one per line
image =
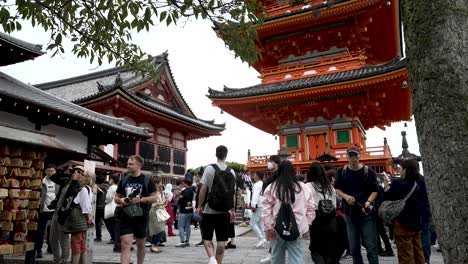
(357, 185)
(219, 210)
(135, 193)
(169, 196)
(69, 187)
(407, 225)
(288, 210)
(272, 165)
(109, 209)
(324, 237)
(185, 212)
(256, 203)
(81, 217)
(156, 222)
(48, 193)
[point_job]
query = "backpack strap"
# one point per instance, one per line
(146, 183)
(411, 192)
(216, 167)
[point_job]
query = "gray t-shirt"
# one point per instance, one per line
(207, 179)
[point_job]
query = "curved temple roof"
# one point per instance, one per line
(319, 80)
(14, 89)
(85, 88)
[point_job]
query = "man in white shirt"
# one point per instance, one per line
(257, 208)
(48, 192)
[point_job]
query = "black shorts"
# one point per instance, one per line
(136, 226)
(218, 223)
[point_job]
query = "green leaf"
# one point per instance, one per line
(163, 16)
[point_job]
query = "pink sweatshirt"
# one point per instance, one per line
(303, 208)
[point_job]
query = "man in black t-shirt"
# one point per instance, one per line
(357, 185)
(185, 212)
(135, 188)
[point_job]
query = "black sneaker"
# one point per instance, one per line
(230, 245)
(199, 244)
(97, 240)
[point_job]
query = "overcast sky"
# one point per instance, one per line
(198, 60)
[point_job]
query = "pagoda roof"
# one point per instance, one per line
(23, 99)
(319, 80)
(14, 50)
(93, 87)
(305, 9)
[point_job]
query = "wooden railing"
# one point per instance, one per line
(278, 9)
(380, 152)
(323, 64)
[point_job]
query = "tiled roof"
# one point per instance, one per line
(83, 88)
(17, 90)
(21, 44)
(306, 8)
(319, 80)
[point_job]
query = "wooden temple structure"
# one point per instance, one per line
(329, 71)
(145, 102)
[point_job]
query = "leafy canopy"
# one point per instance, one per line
(102, 29)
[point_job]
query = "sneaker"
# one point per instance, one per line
(387, 253)
(199, 244)
(49, 250)
(181, 244)
(243, 224)
(230, 245)
(261, 243)
(110, 242)
(187, 244)
(147, 244)
(212, 261)
(267, 259)
(38, 254)
(97, 240)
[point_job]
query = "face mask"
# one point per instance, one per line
(270, 165)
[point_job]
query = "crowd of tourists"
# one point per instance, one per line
(334, 211)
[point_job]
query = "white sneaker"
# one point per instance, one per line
(267, 259)
(212, 261)
(261, 243)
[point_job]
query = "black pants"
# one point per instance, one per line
(110, 225)
(44, 217)
(382, 233)
(117, 242)
(98, 222)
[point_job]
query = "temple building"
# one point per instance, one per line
(145, 102)
(329, 71)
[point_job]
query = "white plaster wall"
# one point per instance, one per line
(75, 139)
(16, 121)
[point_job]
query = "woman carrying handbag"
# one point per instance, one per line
(157, 218)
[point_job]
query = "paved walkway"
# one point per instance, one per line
(245, 253)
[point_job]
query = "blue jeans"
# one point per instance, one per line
(426, 240)
(365, 227)
(295, 251)
(156, 239)
(184, 227)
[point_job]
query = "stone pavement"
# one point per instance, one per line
(245, 253)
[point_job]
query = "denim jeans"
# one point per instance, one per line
(426, 240)
(184, 227)
(295, 251)
(365, 227)
(156, 239)
(257, 224)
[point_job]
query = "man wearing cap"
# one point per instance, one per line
(357, 185)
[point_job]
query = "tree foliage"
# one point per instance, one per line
(102, 29)
(234, 165)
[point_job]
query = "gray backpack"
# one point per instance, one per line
(390, 210)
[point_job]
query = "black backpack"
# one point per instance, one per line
(286, 225)
(221, 196)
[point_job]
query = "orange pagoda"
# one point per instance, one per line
(329, 71)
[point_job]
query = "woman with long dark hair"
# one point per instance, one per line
(407, 226)
(324, 238)
(287, 189)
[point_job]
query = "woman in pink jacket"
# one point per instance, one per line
(286, 188)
